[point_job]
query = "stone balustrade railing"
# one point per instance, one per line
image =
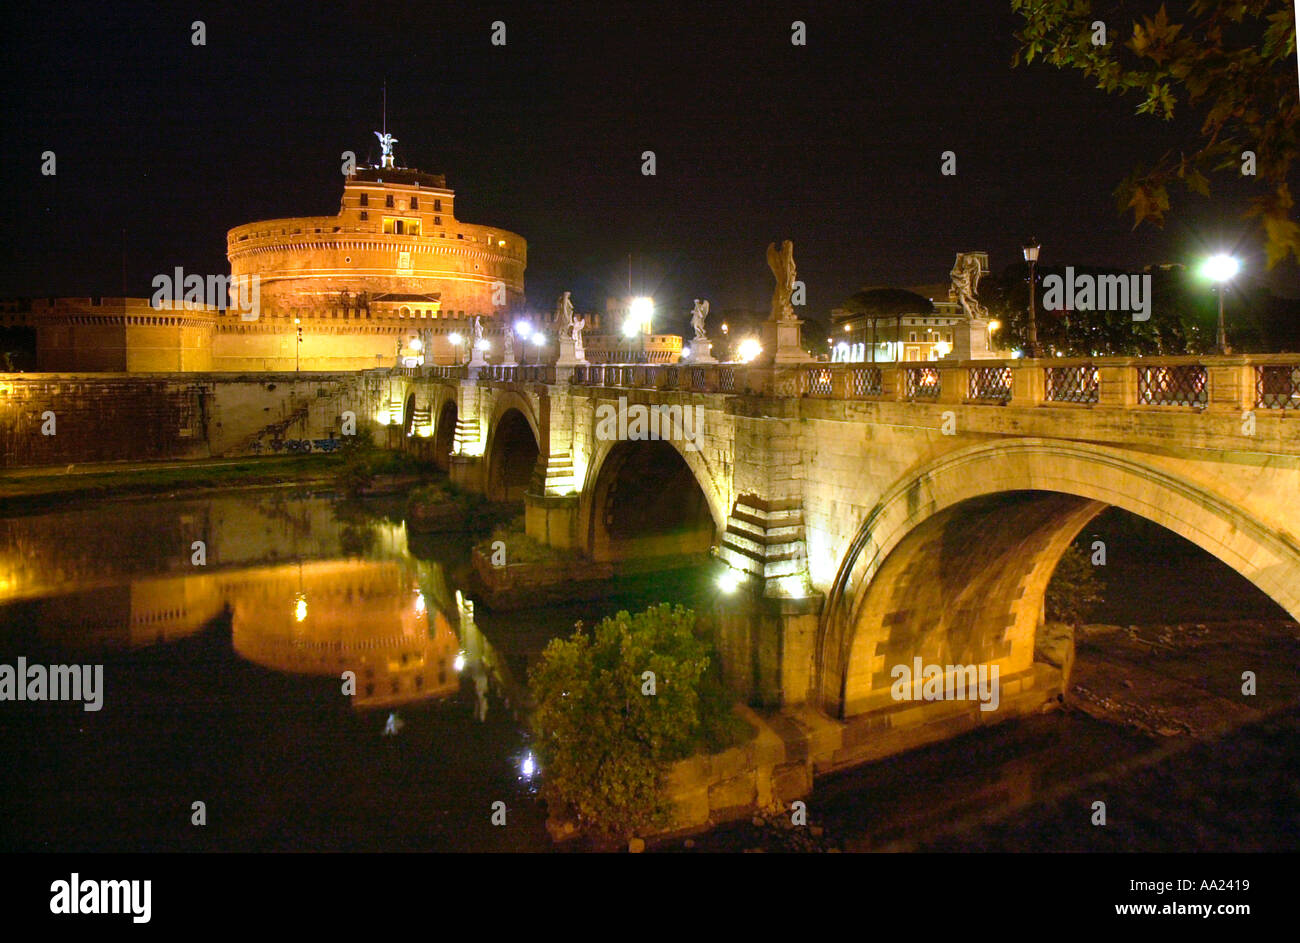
(692, 378)
(1251, 381)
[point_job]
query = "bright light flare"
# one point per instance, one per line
(1220, 268)
(729, 581)
(749, 349)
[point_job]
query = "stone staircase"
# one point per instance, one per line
(299, 409)
(765, 538)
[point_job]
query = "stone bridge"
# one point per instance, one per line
(868, 515)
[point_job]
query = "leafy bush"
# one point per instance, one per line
(1074, 588)
(357, 472)
(603, 744)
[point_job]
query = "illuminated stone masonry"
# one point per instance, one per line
(345, 292)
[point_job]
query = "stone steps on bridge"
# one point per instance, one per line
(765, 537)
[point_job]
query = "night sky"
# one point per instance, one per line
(162, 146)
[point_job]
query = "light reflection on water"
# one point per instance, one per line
(293, 594)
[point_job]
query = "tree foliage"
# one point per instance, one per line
(357, 472)
(1231, 63)
(604, 745)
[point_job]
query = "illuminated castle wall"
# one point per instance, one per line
(394, 264)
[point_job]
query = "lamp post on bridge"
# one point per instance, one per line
(1220, 269)
(1031, 336)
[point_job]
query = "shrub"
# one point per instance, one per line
(603, 744)
(357, 472)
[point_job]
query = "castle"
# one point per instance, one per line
(393, 275)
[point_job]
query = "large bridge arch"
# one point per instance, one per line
(952, 563)
(665, 479)
(513, 446)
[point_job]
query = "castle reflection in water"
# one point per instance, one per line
(317, 618)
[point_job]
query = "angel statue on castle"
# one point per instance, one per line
(386, 142)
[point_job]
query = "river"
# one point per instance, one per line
(225, 624)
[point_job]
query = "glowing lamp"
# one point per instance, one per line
(749, 349)
(1220, 268)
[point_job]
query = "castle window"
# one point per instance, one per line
(437, 221)
(365, 199)
(415, 202)
(437, 206)
(460, 235)
(388, 200)
(365, 215)
(397, 227)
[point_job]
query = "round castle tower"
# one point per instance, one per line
(393, 265)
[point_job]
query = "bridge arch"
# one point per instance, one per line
(952, 563)
(513, 447)
(443, 411)
(653, 487)
(408, 414)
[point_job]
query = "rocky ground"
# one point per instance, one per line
(1156, 726)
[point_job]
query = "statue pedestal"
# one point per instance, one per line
(569, 357)
(701, 352)
(509, 361)
(781, 342)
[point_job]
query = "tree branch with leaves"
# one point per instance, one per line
(1230, 63)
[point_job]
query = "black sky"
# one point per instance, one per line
(835, 145)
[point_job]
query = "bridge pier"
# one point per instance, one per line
(767, 645)
(466, 472)
(552, 519)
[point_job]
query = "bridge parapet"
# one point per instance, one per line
(1256, 381)
(1262, 381)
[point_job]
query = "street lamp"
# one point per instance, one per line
(1220, 269)
(539, 341)
(1031, 339)
(455, 340)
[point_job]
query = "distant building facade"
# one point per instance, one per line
(893, 325)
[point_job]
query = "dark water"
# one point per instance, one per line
(223, 682)
(223, 685)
